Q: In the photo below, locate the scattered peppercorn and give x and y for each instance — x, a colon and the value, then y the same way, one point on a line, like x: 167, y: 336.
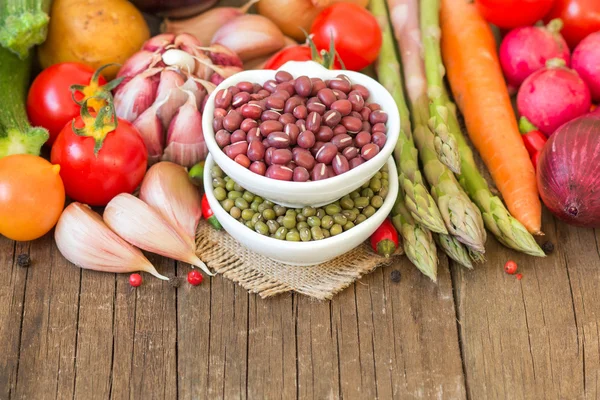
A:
x: 548, y: 247
x: 195, y: 277
x: 395, y: 275
x: 519, y: 276
x: 135, y: 280
x: 510, y: 267
x: 23, y: 260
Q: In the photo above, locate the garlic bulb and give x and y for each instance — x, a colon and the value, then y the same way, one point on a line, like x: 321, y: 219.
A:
x: 156, y: 84
x: 144, y: 227
x: 168, y: 189
x: 85, y: 240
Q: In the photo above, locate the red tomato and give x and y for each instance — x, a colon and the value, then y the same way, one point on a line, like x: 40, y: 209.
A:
x: 293, y: 53
x: 357, y: 47
x: 49, y: 102
x: 118, y: 167
x: 510, y: 14
x: 580, y: 18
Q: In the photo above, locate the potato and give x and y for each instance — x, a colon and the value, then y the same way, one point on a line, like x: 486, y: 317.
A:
x: 93, y: 32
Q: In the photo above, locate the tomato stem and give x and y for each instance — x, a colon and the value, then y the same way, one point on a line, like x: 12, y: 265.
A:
x: 94, y: 89
x: 98, y: 126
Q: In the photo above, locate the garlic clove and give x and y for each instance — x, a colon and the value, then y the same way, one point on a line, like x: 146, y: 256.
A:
x: 197, y: 88
x: 204, y: 66
x: 158, y: 43
x: 85, y: 240
x: 152, y: 132
x: 187, y: 43
x: 140, y: 61
x: 224, y: 73
x: 137, y: 95
x: 169, y: 95
x: 221, y: 55
x: 167, y: 188
x: 144, y: 227
x: 185, y: 139
x: 250, y: 36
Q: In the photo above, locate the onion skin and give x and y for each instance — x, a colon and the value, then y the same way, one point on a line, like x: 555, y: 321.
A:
x: 292, y: 16
x: 568, y: 172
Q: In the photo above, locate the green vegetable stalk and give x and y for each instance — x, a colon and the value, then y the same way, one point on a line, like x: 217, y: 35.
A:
x: 23, y: 24
x: 444, y: 141
x: 454, y: 249
x: 417, y: 241
x: 16, y: 135
x: 496, y: 217
x: 417, y: 199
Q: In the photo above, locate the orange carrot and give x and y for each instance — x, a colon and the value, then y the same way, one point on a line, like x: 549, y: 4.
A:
x: 473, y: 69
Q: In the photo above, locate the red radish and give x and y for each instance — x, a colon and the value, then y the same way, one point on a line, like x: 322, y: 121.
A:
x: 384, y: 240
x: 526, y: 50
x: 568, y: 172
x: 553, y: 96
x: 586, y: 61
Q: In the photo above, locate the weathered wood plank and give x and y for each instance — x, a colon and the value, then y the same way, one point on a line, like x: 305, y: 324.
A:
x: 94, y: 358
x: 272, y: 348
x: 49, y: 328
x: 317, y: 350
x: 520, y: 338
x: 12, y: 290
x: 212, y: 364
x: 413, y: 333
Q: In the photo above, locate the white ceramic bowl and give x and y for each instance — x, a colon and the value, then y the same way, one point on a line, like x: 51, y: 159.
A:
x: 299, y: 194
x: 301, y: 253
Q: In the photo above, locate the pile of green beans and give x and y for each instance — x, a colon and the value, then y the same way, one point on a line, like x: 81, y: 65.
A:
x: 299, y: 224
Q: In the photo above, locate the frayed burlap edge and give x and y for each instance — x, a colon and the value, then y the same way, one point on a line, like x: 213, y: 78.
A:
x: 261, y: 275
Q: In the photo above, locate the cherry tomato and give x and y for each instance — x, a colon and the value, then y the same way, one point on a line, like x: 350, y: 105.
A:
x: 50, y: 103
x: 32, y: 196
x: 357, y: 47
x: 508, y: 14
x: 294, y: 53
x: 580, y: 18
x: 118, y: 167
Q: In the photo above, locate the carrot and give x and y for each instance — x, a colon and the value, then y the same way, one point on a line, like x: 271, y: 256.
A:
x: 473, y: 69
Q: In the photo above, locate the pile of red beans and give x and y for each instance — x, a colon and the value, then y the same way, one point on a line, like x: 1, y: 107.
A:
x: 299, y: 129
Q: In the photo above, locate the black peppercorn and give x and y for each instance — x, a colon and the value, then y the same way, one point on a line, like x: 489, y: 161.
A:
x: 23, y: 260
x: 395, y: 275
x: 548, y: 247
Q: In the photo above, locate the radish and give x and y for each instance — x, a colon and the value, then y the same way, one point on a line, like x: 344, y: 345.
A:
x: 586, y: 61
x: 552, y: 96
x: 525, y: 50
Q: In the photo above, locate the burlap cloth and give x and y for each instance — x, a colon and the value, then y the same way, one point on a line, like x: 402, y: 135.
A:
x: 259, y: 274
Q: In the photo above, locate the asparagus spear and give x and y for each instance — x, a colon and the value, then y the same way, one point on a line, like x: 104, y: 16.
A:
x: 417, y: 241
x: 462, y: 218
x: 417, y: 199
x: 454, y: 249
x: 444, y: 142
x: 496, y: 217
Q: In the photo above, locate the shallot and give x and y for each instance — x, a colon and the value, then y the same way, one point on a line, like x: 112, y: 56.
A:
x: 553, y: 96
x: 164, y: 83
x: 568, y: 175
x: 85, y: 240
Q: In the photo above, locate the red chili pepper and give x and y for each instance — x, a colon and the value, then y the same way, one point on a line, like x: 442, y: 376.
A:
x: 384, y: 240
x: 533, y: 139
x: 208, y: 214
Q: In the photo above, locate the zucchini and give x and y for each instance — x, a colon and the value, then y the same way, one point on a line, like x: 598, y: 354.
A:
x: 23, y: 24
x: 17, y: 136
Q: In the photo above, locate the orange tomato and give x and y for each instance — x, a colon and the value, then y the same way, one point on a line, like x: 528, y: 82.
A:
x: 32, y: 196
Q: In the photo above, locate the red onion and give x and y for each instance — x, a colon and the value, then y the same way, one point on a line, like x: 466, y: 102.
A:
x: 568, y: 172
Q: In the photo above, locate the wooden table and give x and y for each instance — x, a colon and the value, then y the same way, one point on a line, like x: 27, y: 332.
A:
x: 482, y: 334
